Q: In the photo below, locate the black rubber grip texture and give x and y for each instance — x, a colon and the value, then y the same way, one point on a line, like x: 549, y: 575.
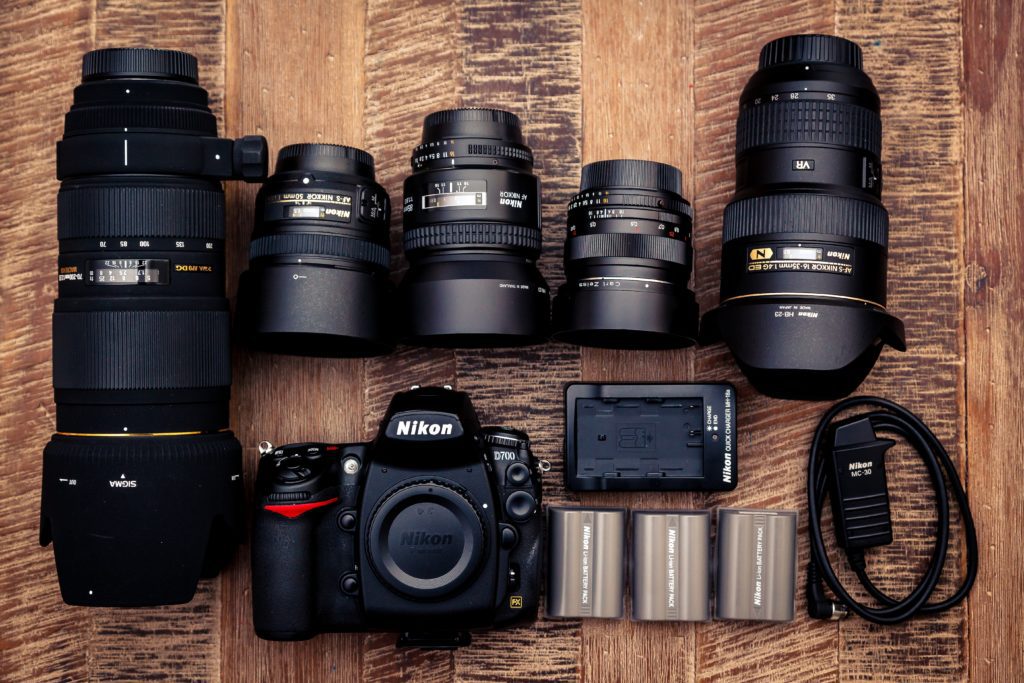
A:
x: 455, y: 234
x: 815, y: 213
x: 134, y: 117
x: 634, y: 173
x: 320, y: 245
x: 508, y: 151
x: 198, y: 449
x: 139, y: 62
x: 499, y: 116
x: 809, y: 121
x: 628, y: 245
x: 801, y: 49
x: 113, y: 211
x: 318, y: 149
x: 141, y: 349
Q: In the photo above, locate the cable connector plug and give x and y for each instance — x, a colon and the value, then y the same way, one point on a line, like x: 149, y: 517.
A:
x: 818, y: 605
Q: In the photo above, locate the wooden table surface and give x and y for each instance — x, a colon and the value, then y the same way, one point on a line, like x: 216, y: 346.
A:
x: 592, y: 79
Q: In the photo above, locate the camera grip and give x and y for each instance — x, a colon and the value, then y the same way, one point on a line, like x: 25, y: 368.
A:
x: 283, y: 585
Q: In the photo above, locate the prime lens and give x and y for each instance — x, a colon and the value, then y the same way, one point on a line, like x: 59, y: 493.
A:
x: 805, y: 238
x: 317, y: 282
x: 472, y: 234
x: 142, y: 482
x: 628, y: 258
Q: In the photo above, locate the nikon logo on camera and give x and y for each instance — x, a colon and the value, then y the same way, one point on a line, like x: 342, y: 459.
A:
x: 423, y: 426
x: 421, y: 538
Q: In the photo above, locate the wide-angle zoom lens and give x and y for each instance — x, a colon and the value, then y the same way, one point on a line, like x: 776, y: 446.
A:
x: 628, y: 258
x: 317, y: 282
x: 472, y: 235
x: 142, y: 483
x: 805, y: 238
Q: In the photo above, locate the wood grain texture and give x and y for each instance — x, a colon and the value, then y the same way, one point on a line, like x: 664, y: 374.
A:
x: 993, y: 70
x: 911, y: 52
x: 773, y: 434
x: 295, y: 74
x: 638, y: 104
x: 591, y: 79
x: 40, y: 63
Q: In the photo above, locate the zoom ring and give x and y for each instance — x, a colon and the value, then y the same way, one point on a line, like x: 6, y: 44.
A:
x: 455, y: 234
x: 320, y: 245
x: 140, y: 211
x: 162, y: 117
x: 628, y: 245
x: 813, y: 213
x: 141, y: 349
x: 809, y: 121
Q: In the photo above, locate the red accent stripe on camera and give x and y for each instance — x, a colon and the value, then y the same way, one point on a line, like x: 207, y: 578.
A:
x: 295, y: 509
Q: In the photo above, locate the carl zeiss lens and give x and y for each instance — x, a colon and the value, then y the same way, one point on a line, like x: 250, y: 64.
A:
x: 142, y: 482
x: 804, y: 244
x: 628, y: 258
x: 317, y: 282
x: 472, y: 235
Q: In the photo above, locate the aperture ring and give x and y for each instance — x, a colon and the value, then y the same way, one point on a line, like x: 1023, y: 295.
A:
x: 141, y: 349
x: 809, y: 121
x: 455, y: 234
x: 629, y: 245
x: 120, y: 117
x: 805, y: 212
x: 613, y: 199
x: 320, y: 245
x: 113, y: 211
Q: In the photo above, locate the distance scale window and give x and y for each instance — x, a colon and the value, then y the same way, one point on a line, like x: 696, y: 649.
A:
x: 455, y: 194
x: 129, y: 272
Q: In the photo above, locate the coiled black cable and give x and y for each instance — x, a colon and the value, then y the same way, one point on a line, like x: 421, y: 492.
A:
x: 894, y: 419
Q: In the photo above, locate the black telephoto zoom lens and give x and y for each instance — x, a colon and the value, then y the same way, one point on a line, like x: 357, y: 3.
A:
x: 472, y: 235
x: 804, y: 243
x: 628, y: 258
x: 317, y: 282
x: 142, y: 482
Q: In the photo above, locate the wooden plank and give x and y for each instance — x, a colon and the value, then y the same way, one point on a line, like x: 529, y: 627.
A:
x: 295, y: 74
x: 638, y: 103
x: 412, y: 68
x: 773, y: 435
x: 912, y: 52
x: 526, y: 57
x: 41, y: 46
x: 993, y: 71
x: 181, y: 641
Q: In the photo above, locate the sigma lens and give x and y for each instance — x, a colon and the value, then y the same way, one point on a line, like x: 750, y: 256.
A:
x: 628, y: 258
x: 472, y: 235
x: 317, y: 282
x: 804, y: 243
x: 142, y: 482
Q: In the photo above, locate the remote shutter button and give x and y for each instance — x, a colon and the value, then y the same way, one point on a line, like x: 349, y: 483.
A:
x: 517, y: 474
x: 520, y: 506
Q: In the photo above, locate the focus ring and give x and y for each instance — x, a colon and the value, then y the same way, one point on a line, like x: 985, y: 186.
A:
x: 163, y: 117
x: 805, y: 212
x: 141, y: 349
x: 140, y: 211
x: 628, y: 245
x: 800, y: 49
x: 455, y: 234
x: 809, y: 121
x: 320, y: 245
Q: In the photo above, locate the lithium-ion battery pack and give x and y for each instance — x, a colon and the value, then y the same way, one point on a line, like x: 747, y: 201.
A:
x: 650, y: 437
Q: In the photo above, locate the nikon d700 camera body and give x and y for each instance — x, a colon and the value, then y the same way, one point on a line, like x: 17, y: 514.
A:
x: 431, y: 529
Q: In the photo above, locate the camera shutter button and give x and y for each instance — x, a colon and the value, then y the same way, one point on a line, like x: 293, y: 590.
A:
x: 520, y: 506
